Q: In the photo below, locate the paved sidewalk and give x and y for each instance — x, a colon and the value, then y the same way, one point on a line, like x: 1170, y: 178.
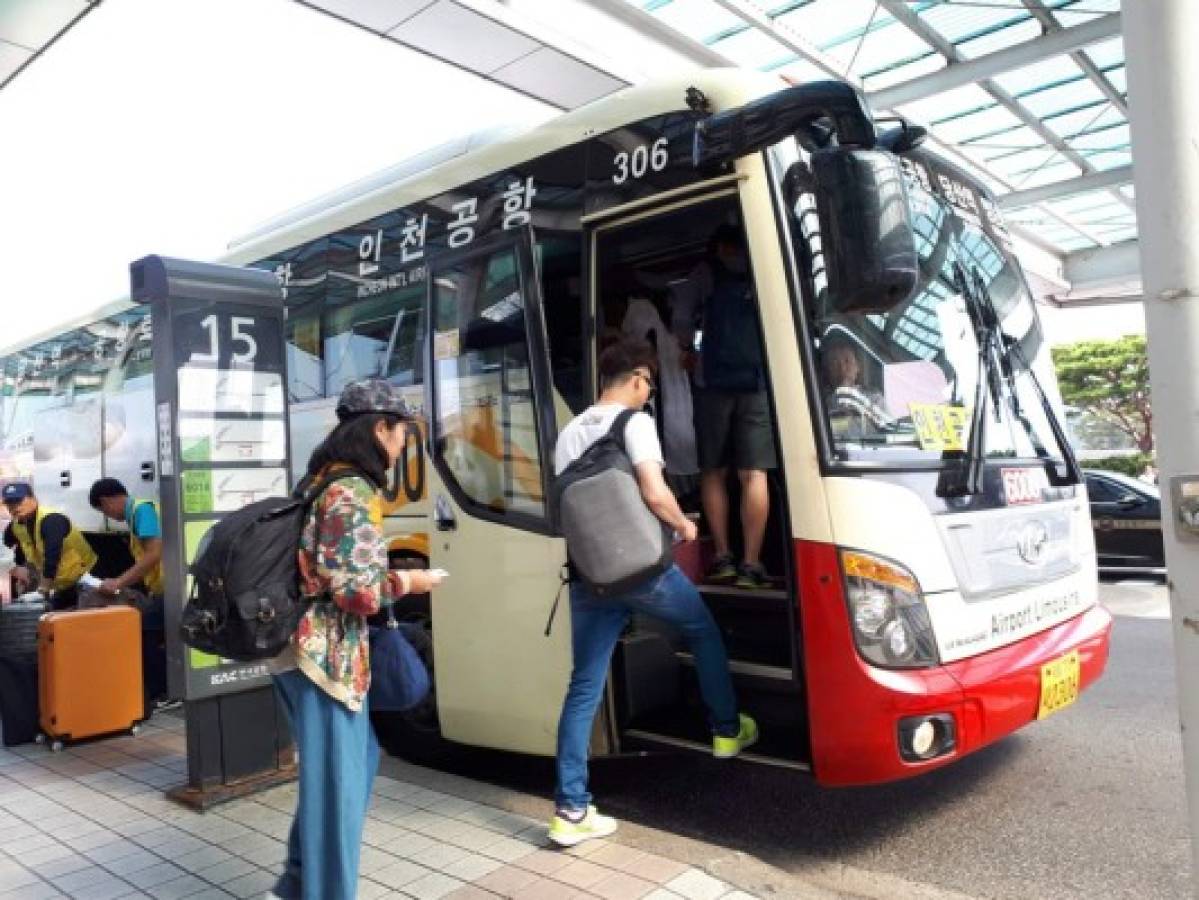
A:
x: 92, y: 822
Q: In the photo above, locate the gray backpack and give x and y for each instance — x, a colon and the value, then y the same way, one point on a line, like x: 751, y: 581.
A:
x: 613, y: 540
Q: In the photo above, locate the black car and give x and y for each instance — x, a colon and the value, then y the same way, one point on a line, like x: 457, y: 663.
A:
x: 1127, y: 517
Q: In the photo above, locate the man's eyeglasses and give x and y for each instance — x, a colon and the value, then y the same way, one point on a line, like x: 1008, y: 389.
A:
x: 649, y: 382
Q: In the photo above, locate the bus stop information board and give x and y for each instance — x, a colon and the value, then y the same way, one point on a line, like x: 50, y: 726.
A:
x: 221, y: 414
x: 220, y: 392
x: 231, y: 441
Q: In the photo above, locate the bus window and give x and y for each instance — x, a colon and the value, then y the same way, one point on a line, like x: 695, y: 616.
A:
x: 406, y: 361
x: 358, y: 335
x: 486, y: 426
x: 305, y: 368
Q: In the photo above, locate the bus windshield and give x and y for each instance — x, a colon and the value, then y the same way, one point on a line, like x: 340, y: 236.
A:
x: 900, y: 386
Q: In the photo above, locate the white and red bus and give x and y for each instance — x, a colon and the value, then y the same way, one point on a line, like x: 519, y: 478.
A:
x: 934, y: 576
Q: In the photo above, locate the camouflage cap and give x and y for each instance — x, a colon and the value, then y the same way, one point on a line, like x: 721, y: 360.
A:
x: 370, y: 395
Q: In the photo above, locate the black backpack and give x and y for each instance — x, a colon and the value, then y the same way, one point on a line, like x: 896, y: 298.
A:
x: 245, y: 600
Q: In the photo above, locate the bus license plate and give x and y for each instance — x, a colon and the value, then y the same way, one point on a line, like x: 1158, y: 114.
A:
x: 1059, y: 683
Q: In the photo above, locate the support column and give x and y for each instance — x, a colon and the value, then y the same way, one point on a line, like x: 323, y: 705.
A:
x: 1163, y: 83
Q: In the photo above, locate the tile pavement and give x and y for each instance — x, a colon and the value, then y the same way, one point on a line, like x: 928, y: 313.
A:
x: 92, y: 823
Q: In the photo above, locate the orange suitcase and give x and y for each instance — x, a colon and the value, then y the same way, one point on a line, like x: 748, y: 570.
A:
x: 89, y: 672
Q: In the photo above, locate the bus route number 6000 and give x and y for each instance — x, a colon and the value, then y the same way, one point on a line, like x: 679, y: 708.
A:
x: 637, y: 162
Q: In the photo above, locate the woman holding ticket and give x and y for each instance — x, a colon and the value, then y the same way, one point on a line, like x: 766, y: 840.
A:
x: 324, y: 675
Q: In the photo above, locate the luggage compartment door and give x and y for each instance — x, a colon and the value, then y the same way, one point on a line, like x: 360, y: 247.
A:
x: 499, y: 679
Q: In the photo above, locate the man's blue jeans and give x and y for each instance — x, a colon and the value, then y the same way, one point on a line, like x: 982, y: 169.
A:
x: 596, y: 624
x: 338, y: 760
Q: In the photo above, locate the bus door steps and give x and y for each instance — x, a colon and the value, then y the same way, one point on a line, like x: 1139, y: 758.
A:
x: 662, y: 741
x: 762, y: 677
x: 733, y: 592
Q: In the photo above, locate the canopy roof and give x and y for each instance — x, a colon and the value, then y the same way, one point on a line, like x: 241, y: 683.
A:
x: 1028, y: 94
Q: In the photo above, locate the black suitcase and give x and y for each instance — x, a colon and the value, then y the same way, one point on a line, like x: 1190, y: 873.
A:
x: 18, y: 629
x: 18, y: 700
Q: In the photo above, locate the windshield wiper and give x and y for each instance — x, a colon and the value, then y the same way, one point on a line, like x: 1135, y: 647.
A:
x: 1010, y: 349
x: 965, y: 479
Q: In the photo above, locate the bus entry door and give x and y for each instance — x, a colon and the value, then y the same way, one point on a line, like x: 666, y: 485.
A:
x: 499, y: 680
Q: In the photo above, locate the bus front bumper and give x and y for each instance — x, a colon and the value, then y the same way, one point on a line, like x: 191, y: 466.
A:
x: 856, y: 710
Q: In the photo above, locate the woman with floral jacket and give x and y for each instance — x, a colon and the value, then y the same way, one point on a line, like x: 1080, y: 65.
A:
x: 324, y: 675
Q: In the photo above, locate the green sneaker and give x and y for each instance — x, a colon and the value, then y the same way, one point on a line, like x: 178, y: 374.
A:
x: 722, y: 571
x: 728, y: 747
x: 566, y: 833
x: 752, y: 577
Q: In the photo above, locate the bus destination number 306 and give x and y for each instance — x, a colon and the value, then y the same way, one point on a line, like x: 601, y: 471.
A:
x: 637, y: 162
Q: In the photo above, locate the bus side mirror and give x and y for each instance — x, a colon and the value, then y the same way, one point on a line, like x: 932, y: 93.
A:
x: 866, y: 231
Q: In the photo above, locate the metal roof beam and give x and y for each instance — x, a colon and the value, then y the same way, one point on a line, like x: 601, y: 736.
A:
x: 935, y: 39
x: 963, y: 71
x: 1104, y: 267
x: 1068, y: 188
x: 1081, y: 59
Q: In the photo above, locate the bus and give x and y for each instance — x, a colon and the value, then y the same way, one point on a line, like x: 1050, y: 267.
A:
x: 933, y: 581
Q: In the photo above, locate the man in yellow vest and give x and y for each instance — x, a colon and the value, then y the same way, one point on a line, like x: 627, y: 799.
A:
x: 45, y: 541
x: 145, y: 544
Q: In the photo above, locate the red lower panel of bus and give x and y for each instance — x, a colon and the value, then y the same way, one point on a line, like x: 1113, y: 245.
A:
x: 854, y: 708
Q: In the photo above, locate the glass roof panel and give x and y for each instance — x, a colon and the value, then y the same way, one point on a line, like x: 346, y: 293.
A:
x: 960, y: 23
x: 959, y: 100
x: 1108, y: 159
x: 1095, y: 118
x: 1095, y: 204
x: 799, y: 71
x: 1106, y: 137
x: 827, y: 24
x: 698, y: 19
x: 1107, y: 53
x: 886, y: 48
x: 1073, y: 95
x: 969, y: 126
x: 925, y: 63
x: 1010, y: 34
x: 1119, y: 79
x: 987, y: 126
x: 1036, y: 76
x: 1010, y: 142
x: 751, y: 48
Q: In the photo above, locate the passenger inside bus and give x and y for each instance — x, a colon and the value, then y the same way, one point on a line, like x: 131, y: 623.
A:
x: 684, y: 283
x: 854, y: 409
x: 733, y: 422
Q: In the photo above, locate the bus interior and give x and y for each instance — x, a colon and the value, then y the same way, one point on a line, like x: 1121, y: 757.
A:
x: 652, y: 279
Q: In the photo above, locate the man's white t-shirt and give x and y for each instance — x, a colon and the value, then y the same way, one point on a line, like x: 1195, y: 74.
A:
x: 640, y: 435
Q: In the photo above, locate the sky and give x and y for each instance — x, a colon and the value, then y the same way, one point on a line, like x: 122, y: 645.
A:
x: 173, y: 126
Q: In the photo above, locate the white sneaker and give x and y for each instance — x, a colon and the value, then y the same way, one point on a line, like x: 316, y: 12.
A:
x: 566, y: 833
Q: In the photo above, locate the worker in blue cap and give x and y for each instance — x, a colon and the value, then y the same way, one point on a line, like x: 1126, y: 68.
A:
x: 46, y: 543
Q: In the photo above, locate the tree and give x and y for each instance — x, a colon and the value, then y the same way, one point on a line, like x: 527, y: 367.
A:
x: 1109, y: 379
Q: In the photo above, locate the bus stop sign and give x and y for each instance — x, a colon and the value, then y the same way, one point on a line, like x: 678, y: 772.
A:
x: 221, y: 414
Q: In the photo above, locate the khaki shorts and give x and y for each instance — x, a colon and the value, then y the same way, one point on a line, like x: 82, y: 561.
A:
x: 734, y: 430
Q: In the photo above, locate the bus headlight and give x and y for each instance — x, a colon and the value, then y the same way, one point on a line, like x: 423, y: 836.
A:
x: 891, y: 626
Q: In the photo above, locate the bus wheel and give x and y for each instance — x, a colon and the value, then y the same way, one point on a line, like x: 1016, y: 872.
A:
x: 415, y: 734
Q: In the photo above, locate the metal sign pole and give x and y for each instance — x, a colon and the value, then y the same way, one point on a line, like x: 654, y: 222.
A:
x: 221, y: 417
x: 1163, y: 71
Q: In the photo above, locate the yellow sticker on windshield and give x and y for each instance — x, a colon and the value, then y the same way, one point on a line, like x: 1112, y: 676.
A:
x: 940, y: 427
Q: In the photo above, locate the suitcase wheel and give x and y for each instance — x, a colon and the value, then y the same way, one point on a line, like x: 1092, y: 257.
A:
x: 135, y: 730
x: 56, y: 747
x: 39, y: 738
